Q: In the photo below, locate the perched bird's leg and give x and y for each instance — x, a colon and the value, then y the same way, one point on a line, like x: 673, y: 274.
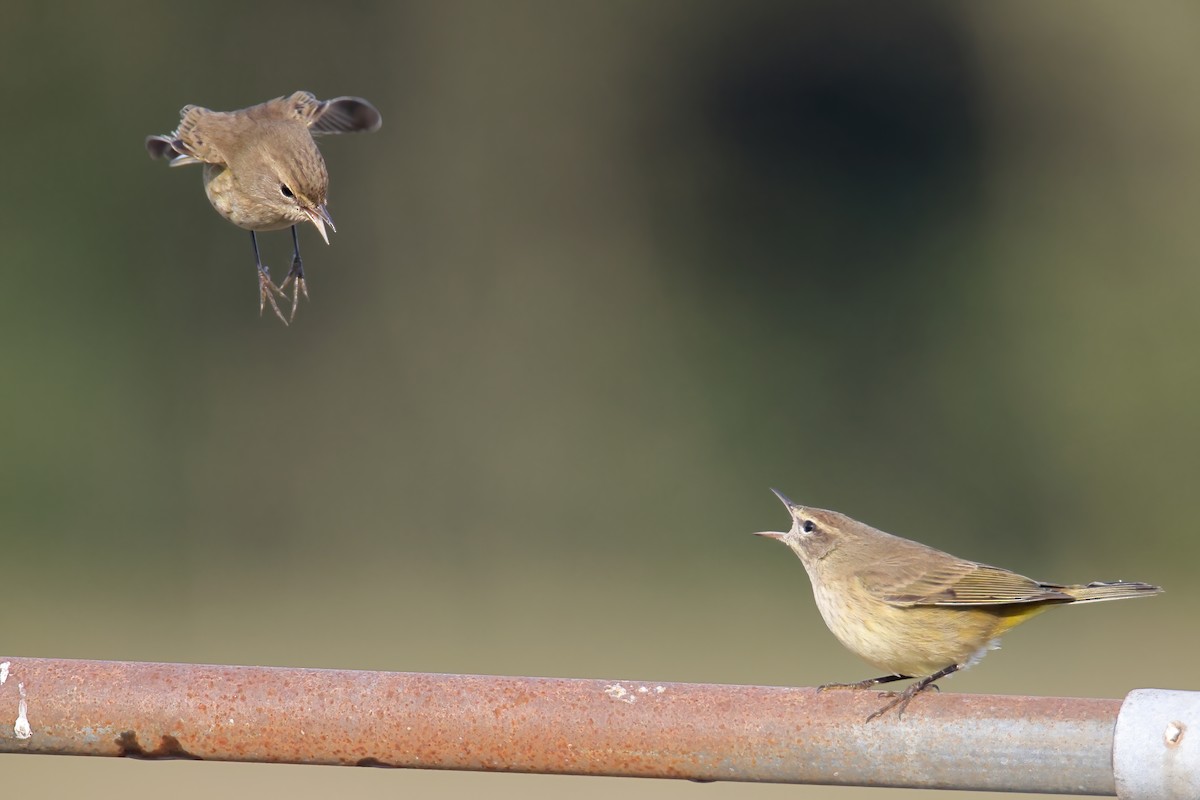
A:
x: 867, y: 684
x: 296, y: 273
x: 900, y: 700
x: 266, y: 287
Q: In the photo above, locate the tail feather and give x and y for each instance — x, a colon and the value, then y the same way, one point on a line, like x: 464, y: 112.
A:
x: 1115, y: 590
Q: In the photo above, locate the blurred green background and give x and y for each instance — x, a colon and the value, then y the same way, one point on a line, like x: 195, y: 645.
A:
x: 608, y: 272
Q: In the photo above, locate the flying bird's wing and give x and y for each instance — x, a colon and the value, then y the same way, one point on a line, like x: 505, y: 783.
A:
x: 170, y: 147
x: 186, y: 145
x: 344, y: 115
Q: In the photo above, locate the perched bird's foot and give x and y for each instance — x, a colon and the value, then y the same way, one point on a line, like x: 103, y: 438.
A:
x: 266, y: 293
x: 867, y: 684
x: 900, y: 700
x: 295, y: 279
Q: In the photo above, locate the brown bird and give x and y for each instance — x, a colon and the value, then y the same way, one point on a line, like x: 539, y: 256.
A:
x: 911, y: 610
x: 263, y: 171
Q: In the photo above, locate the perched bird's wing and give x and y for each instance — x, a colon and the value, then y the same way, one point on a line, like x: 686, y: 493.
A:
x: 918, y: 580
x: 339, y: 115
x: 187, y: 145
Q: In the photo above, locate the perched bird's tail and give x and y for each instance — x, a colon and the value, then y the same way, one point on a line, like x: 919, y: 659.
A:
x: 1116, y: 590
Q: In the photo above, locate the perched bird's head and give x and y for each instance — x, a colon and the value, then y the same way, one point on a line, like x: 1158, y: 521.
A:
x: 814, y: 533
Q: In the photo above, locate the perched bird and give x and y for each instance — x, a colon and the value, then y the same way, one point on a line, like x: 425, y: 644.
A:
x: 911, y: 610
x: 263, y: 171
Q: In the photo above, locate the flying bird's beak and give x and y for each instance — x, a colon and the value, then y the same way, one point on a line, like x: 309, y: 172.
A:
x: 319, y: 217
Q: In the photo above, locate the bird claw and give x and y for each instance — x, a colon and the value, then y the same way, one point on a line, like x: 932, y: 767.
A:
x: 900, y: 700
x: 295, y: 279
x: 867, y: 684
x: 266, y: 293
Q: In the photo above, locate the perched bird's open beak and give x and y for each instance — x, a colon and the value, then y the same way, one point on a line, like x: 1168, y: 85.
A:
x: 319, y: 217
x: 790, y: 505
x: 784, y: 499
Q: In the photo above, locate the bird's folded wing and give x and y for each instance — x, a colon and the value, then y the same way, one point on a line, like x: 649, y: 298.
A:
x: 953, y: 582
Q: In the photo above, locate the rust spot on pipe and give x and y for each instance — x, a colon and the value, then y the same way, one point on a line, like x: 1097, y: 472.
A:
x: 168, y: 748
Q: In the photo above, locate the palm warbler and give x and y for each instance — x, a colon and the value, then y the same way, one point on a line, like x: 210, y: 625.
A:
x: 913, y: 611
x: 263, y: 171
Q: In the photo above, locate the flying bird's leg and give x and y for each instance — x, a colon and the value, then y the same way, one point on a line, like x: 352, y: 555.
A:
x: 266, y: 287
x: 296, y: 273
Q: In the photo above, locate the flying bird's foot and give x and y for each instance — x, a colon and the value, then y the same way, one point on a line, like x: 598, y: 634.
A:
x: 295, y: 279
x: 266, y: 293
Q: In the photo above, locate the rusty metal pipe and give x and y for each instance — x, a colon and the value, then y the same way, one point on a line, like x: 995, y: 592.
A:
x: 551, y: 725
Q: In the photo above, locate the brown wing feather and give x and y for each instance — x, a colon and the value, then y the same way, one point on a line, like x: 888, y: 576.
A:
x: 339, y: 115
x: 916, y: 579
x: 346, y: 115
x: 191, y: 143
x: 303, y: 106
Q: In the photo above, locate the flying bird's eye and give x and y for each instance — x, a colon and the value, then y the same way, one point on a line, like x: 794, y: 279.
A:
x: 809, y: 526
x: 285, y: 191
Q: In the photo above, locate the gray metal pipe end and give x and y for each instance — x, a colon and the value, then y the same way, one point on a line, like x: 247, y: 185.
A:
x: 1156, y: 745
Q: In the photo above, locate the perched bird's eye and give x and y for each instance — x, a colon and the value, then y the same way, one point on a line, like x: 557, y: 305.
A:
x: 809, y: 526
x: 285, y: 191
